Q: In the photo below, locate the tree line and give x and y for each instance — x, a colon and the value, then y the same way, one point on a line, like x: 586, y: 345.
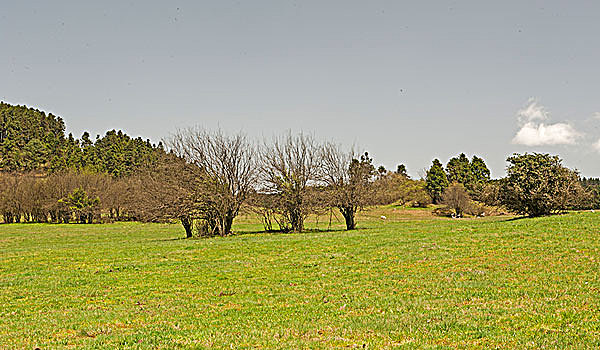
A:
x: 33, y: 141
x: 536, y: 184
x: 63, y: 197
x: 205, y: 179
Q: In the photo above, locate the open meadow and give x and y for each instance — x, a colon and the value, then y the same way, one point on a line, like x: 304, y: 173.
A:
x: 411, y: 280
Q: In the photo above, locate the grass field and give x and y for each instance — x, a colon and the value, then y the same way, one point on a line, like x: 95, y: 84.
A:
x: 410, y: 281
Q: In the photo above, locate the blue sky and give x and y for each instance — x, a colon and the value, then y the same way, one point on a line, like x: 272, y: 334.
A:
x: 407, y: 81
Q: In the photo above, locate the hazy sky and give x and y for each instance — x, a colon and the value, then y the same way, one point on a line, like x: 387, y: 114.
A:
x: 408, y: 81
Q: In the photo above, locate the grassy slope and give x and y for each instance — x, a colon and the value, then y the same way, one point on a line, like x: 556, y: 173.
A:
x: 405, y: 281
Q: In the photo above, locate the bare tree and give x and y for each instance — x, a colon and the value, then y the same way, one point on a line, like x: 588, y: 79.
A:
x: 290, y: 165
x: 114, y: 197
x: 349, y: 181
x: 166, y: 192
x: 10, y: 204
x: 39, y: 197
x: 268, y: 207
x: 228, y: 163
x: 457, y: 198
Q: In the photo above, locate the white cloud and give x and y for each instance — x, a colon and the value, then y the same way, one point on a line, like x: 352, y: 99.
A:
x: 597, y: 115
x: 534, y: 132
x: 597, y: 145
x: 534, y: 111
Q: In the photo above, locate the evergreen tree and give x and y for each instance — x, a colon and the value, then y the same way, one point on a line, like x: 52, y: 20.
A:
x: 81, y: 205
x: 458, y: 170
x: 472, y: 175
x: 29, y: 139
x: 436, y: 181
x: 401, y: 170
x: 480, y: 172
x: 538, y: 184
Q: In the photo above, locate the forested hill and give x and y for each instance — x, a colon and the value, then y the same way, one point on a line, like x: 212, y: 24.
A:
x: 31, y: 140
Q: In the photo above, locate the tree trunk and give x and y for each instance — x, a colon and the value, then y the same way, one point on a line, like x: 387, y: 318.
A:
x: 8, y: 218
x: 227, y: 224
x: 187, y: 222
x: 296, y: 222
x: 350, y: 224
x: 348, y: 214
x: 296, y: 219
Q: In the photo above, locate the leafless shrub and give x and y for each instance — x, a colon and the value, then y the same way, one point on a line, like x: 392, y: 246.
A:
x: 456, y: 197
x: 229, y: 173
x: 289, y: 166
x: 349, y: 181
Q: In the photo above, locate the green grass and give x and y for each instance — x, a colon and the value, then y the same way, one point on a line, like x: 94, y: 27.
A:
x: 410, y: 281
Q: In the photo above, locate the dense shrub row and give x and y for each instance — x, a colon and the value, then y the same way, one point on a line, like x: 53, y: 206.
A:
x: 62, y: 197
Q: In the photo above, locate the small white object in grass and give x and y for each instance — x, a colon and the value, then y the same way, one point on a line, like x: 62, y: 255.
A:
x: 383, y: 217
x: 593, y: 211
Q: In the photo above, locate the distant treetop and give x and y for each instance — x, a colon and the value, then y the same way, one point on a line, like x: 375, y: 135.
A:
x: 31, y: 140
